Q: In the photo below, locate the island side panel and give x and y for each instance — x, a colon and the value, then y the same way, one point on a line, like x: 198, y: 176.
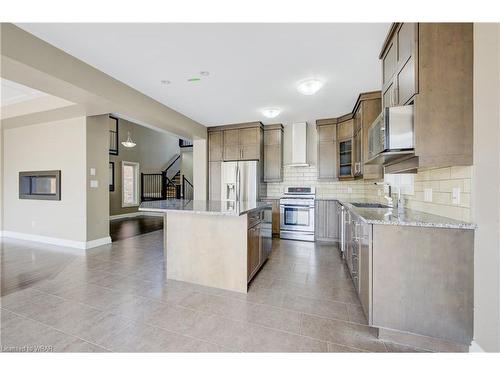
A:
x: 423, y: 281
x: 209, y: 250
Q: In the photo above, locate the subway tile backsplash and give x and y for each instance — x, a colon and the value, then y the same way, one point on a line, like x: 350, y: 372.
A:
x: 440, y: 180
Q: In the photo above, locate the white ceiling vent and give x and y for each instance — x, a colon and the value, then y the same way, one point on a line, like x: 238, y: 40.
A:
x: 299, y: 144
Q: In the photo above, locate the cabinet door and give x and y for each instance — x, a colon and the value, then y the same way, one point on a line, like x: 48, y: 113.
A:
x: 215, y: 146
x: 365, y: 271
x: 276, y: 217
x: 231, y: 137
x: 388, y: 96
x: 327, y: 133
x: 406, y: 41
x: 320, y: 220
x: 250, y: 152
x: 332, y: 221
x: 345, y: 158
x: 344, y: 129
x: 327, y: 160
x: 249, y: 136
x: 389, y: 62
x: 272, y: 163
x: 231, y: 145
x: 254, y: 248
x: 214, y: 180
x: 406, y: 82
x: 357, y: 154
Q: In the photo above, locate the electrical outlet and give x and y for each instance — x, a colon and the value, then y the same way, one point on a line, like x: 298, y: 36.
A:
x: 94, y: 183
x: 92, y: 171
x: 428, y: 195
x: 455, y: 195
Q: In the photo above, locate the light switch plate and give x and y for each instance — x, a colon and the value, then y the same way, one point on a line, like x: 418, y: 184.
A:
x: 428, y: 195
x: 94, y: 183
x: 92, y: 171
x: 455, y: 195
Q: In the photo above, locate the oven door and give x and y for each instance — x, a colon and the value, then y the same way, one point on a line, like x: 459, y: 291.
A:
x: 298, y: 217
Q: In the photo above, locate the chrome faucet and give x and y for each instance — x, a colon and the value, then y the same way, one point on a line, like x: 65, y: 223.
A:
x: 390, y: 201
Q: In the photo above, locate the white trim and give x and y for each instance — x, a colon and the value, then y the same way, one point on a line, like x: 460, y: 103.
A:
x: 136, y: 167
x: 475, y: 348
x: 135, y: 214
x: 82, y: 245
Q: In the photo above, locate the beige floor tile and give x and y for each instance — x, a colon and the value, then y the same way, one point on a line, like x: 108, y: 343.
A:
x: 343, y: 333
x: 328, y: 309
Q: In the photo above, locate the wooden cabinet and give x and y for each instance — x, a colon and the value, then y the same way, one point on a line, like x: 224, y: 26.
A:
x: 345, y: 129
x: 434, y: 72
x: 327, y: 220
x: 243, y: 143
x: 273, y: 153
x: 214, y: 180
x: 215, y: 146
x: 399, y: 74
x: 366, y: 110
x: 254, y: 247
x: 327, y: 149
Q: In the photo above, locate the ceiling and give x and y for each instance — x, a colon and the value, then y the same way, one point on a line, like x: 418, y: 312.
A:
x: 13, y: 93
x: 251, y: 66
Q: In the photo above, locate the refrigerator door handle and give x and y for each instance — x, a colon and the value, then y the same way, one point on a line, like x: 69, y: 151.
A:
x: 237, y: 195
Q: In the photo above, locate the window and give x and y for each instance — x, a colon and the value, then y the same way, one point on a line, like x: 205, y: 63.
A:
x: 130, y: 184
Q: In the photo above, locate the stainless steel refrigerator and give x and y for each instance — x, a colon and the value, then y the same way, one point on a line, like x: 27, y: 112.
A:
x: 240, y: 181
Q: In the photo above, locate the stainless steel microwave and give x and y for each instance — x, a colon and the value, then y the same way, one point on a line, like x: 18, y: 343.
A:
x: 391, y: 131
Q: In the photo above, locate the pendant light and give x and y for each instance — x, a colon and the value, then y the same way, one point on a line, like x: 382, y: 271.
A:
x: 129, y: 142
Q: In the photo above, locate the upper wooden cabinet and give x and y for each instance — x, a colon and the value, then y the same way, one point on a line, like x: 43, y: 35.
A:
x: 327, y: 149
x: 273, y: 153
x: 399, y: 74
x: 238, y: 142
x: 215, y: 147
x: 345, y: 147
x: 366, y: 110
x: 434, y: 72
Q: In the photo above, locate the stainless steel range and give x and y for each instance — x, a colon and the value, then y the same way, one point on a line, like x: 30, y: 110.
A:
x: 297, y: 213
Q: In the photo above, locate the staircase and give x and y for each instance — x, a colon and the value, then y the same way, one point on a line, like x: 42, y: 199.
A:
x: 166, y: 185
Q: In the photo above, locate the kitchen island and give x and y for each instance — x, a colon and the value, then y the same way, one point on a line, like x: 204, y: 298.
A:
x: 219, y: 244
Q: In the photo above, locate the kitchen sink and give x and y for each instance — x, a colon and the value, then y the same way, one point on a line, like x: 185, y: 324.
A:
x: 369, y: 205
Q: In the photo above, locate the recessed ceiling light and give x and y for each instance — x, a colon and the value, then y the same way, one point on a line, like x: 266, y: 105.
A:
x: 204, y: 73
x: 165, y: 82
x: 271, y: 112
x: 309, y: 86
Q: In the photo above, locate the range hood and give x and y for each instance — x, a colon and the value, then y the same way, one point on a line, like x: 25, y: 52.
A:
x: 299, y: 145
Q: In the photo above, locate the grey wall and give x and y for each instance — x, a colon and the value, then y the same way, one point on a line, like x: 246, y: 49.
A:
x: 153, y: 151
x: 97, y: 157
x: 58, y: 145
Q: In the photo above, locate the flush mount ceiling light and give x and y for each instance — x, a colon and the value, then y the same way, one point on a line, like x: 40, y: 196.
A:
x: 129, y: 142
x: 271, y: 112
x: 309, y: 86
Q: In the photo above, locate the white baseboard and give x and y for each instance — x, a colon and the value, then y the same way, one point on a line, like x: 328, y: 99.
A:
x: 475, y: 348
x: 83, y: 245
x: 135, y: 214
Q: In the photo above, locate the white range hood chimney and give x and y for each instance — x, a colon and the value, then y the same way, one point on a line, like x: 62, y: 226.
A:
x: 299, y: 145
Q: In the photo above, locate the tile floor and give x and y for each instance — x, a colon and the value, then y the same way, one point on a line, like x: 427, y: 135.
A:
x: 117, y: 298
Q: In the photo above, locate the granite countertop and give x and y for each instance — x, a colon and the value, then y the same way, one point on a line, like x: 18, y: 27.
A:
x: 387, y: 216
x: 226, y: 208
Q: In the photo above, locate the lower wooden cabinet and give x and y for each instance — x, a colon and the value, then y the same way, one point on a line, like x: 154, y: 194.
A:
x: 254, y: 250
x: 327, y: 220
